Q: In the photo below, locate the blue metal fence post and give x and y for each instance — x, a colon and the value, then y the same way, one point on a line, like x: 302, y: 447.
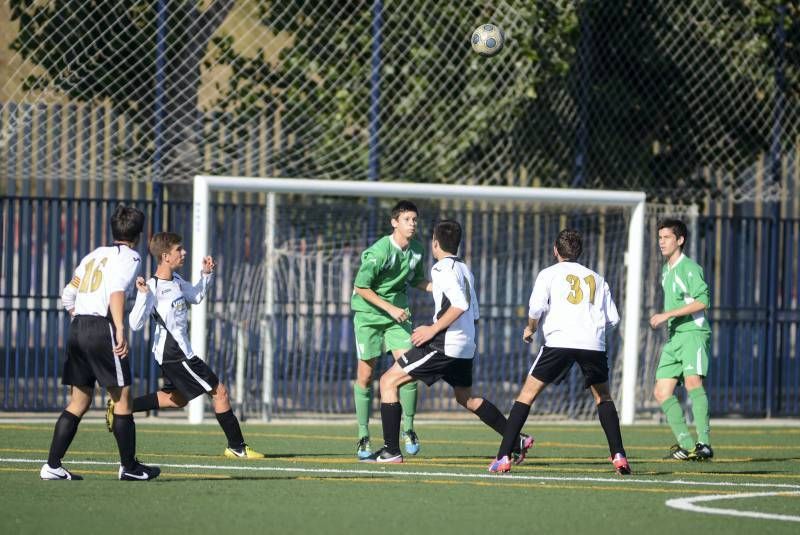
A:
x: 584, y: 77
x: 774, y: 240
x: 374, y: 113
x: 158, y: 135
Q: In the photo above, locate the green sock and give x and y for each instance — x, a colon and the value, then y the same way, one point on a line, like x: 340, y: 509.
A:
x: 363, y: 399
x: 700, y: 412
x: 408, y: 400
x: 677, y: 422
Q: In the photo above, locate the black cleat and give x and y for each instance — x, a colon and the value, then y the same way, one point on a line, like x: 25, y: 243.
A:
x: 139, y: 472
x: 702, y: 452
x: 676, y: 452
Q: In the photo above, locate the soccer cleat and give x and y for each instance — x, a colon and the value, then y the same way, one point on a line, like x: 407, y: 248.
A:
x: 55, y: 474
x: 139, y: 472
x: 363, y: 448
x: 702, y: 452
x: 411, y: 442
x: 110, y: 415
x: 501, y: 465
x: 525, y: 443
x: 676, y: 452
x: 245, y: 452
x: 384, y: 456
x: 621, y: 465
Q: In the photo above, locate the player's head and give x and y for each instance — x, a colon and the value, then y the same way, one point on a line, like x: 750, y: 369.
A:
x: 404, y: 218
x: 127, y: 223
x: 569, y: 245
x: 672, y: 235
x: 167, y: 248
x: 447, y: 237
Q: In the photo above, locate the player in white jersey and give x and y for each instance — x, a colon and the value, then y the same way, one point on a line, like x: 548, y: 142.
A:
x: 165, y: 298
x: 96, y: 347
x: 444, y: 350
x: 571, y: 306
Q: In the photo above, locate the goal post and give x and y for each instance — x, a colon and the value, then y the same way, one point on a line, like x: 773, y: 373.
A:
x: 632, y: 202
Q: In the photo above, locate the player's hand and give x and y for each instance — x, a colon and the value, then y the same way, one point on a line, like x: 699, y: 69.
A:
x: 141, y: 285
x: 208, y: 264
x: 527, y: 335
x: 121, y: 345
x: 399, y: 315
x: 657, y: 319
x: 422, y: 334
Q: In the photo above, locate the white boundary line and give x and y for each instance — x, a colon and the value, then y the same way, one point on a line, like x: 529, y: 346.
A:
x: 688, y: 504
x: 454, y: 475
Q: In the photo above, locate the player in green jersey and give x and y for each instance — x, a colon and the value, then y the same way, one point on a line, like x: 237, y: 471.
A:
x: 685, y: 356
x: 382, y: 320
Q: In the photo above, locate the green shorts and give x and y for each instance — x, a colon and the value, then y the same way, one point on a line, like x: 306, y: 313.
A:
x: 684, y: 354
x: 378, y: 333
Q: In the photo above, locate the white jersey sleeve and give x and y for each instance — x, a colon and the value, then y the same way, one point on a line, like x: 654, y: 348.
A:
x: 540, y: 297
x: 195, y: 294
x: 142, y: 307
x: 612, y: 316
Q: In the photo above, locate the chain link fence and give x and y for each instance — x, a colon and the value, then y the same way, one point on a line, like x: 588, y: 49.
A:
x: 688, y: 101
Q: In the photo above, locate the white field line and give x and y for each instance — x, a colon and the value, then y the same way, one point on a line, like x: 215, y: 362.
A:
x: 688, y: 504
x: 455, y: 475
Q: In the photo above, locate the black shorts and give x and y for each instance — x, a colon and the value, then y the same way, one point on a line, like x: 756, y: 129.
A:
x: 90, y: 355
x: 552, y: 365
x: 429, y: 365
x: 190, y: 377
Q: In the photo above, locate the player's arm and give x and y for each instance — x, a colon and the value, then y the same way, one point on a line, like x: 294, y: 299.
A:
x: 120, y: 278
x: 609, y: 307
x: 451, y: 287
x: 699, y: 293
x: 195, y: 294
x: 398, y: 314
x: 538, y: 304
x: 143, y: 307
x: 371, y: 263
x: 69, y: 293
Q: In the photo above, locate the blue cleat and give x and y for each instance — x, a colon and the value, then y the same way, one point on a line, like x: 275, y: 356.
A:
x: 411, y: 442
x: 363, y: 448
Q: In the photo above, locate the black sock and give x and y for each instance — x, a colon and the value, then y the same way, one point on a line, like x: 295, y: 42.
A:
x: 230, y: 426
x: 125, y: 433
x: 519, y: 413
x: 390, y: 417
x: 64, y: 432
x: 148, y: 402
x: 610, y: 422
x: 491, y: 416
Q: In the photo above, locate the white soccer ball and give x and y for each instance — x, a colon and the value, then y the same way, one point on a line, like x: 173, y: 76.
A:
x: 488, y: 39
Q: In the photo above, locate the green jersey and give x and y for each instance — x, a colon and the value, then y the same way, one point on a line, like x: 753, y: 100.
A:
x: 388, y: 270
x: 684, y: 283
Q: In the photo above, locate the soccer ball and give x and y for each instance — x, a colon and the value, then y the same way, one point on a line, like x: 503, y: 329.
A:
x: 488, y: 39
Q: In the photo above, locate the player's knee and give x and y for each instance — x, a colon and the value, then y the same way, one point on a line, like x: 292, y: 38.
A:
x: 661, y: 394
x: 220, y: 393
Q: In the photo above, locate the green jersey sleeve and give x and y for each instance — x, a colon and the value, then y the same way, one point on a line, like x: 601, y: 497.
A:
x: 696, y: 284
x: 372, y: 260
x: 419, y: 270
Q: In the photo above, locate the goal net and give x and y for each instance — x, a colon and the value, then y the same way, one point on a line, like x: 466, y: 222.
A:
x: 286, y: 293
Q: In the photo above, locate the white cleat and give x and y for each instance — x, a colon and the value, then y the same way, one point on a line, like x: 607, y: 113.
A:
x: 49, y: 473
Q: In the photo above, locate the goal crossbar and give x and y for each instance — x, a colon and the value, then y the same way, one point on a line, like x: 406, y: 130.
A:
x: 204, y: 185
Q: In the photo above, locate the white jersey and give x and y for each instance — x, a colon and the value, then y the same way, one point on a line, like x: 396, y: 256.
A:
x: 574, y: 307
x: 454, y: 285
x: 167, y: 303
x: 102, y: 272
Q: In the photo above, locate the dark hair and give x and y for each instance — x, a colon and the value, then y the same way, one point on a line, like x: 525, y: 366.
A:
x: 569, y: 244
x: 127, y: 223
x: 448, y: 233
x: 677, y: 227
x: 404, y: 206
x: 162, y: 243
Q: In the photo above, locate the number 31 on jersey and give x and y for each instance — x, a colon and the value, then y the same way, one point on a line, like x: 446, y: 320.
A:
x: 575, y: 295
